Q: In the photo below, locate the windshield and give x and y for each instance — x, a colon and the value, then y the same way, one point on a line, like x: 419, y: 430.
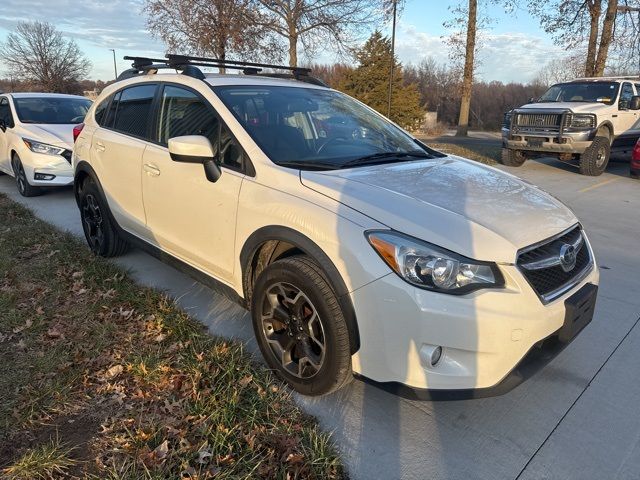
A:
x: 60, y: 110
x: 317, y: 128
x: 605, y: 92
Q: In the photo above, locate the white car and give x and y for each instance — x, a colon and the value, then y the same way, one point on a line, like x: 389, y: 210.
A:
x: 36, y: 138
x: 358, y: 251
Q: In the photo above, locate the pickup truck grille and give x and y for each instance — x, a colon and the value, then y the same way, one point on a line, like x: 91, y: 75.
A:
x: 543, y: 269
x: 539, y: 120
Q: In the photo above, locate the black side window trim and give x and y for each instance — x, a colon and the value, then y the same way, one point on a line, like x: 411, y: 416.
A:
x: 149, y: 134
x: 247, y: 167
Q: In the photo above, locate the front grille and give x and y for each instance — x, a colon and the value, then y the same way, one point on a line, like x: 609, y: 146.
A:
x: 67, y: 155
x: 538, y: 123
x: 542, y: 268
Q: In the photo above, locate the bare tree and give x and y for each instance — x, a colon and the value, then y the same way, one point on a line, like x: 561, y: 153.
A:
x: 338, y: 23
x: 209, y: 27
x: 38, y: 53
x: 598, y: 26
x: 467, y: 76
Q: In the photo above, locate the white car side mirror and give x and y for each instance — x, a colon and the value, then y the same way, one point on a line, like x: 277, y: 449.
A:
x: 196, y: 149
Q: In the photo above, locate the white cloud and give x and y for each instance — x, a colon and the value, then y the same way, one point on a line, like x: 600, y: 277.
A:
x: 505, y: 57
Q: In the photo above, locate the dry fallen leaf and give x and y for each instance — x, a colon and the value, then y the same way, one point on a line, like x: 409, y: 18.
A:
x: 53, y: 332
x: 245, y: 381
x: 27, y: 324
x: 113, y: 372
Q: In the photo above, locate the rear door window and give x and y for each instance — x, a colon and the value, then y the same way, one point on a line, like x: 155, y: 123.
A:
x: 133, y: 109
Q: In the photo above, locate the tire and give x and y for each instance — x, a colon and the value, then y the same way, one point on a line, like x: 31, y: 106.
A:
x: 101, y: 234
x: 305, y: 342
x: 24, y: 187
x: 512, y: 158
x: 594, y: 160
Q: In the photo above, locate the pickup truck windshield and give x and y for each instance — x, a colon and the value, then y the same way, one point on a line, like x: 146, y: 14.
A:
x: 605, y: 92
x: 51, y: 110
x: 311, y: 128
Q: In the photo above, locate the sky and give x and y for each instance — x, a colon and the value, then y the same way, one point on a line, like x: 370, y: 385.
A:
x: 514, y: 47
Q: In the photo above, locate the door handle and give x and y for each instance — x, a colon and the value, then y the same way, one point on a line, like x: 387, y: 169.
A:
x: 151, y: 170
x: 100, y: 147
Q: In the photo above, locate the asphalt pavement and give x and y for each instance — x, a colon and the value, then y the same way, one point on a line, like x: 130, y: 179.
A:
x: 578, y: 418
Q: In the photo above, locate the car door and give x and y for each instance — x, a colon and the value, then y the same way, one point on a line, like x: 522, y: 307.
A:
x: 625, y: 127
x: 116, y: 152
x: 187, y: 215
x: 7, y: 118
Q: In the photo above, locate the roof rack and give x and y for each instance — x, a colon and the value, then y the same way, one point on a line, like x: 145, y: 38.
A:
x: 188, y: 65
x: 621, y: 77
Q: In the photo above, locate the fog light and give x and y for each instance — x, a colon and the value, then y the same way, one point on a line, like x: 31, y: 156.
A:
x: 430, y: 355
x: 43, y: 176
x: 435, y: 356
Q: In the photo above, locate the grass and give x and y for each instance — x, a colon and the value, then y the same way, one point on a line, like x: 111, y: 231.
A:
x: 486, y: 154
x: 105, y: 379
x: 50, y: 460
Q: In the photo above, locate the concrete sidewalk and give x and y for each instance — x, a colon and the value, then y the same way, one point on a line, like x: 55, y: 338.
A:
x: 579, y: 418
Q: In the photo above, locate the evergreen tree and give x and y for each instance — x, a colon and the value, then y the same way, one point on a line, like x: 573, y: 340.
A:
x: 369, y: 83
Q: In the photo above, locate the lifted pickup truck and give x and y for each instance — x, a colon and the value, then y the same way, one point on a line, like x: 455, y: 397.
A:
x: 582, y: 120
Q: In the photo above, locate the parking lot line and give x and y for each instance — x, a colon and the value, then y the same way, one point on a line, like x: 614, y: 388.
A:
x: 591, y: 187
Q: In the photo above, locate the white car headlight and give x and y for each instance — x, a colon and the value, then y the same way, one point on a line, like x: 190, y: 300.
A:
x: 583, y: 120
x: 39, y: 147
x: 433, y: 268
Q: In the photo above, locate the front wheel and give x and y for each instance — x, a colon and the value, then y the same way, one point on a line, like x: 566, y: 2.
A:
x: 595, y: 159
x: 101, y: 234
x: 300, y: 327
x: 512, y: 158
x: 24, y: 187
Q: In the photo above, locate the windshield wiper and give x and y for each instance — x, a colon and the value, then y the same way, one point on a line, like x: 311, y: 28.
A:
x: 308, y: 165
x: 384, y: 157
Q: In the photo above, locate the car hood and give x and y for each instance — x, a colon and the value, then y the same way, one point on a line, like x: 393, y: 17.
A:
x: 58, y: 135
x: 458, y: 204
x: 576, y: 107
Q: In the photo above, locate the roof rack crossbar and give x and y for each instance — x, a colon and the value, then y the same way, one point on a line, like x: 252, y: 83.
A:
x: 236, y: 63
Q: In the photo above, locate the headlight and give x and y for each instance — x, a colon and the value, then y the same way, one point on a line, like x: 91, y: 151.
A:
x: 583, y: 120
x: 433, y: 268
x: 38, y: 147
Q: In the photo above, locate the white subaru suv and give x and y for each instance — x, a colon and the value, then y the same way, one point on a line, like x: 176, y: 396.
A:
x: 36, y: 138
x: 358, y: 249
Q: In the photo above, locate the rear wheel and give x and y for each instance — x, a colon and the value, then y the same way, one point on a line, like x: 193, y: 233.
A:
x: 595, y: 159
x: 24, y: 188
x: 512, y: 158
x: 300, y: 327
x: 100, y: 232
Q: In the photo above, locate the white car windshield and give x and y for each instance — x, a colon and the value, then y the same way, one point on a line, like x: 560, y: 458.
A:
x: 312, y: 128
x: 51, y: 110
x: 604, y: 92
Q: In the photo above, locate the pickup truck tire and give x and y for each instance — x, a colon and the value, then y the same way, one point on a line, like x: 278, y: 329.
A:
x: 512, y: 158
x: 297, y: 319
x: 595, y: 159
x: 101, y: 234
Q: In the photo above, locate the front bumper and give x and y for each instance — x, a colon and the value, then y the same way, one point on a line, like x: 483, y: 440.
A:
x: 552, y: 142
x: 484, y: 335
x: 55, y: 165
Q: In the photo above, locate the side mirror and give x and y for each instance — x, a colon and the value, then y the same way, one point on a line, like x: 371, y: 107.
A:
x: 196, y: 149
x: 533, y: 100
x: 635, y: 103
